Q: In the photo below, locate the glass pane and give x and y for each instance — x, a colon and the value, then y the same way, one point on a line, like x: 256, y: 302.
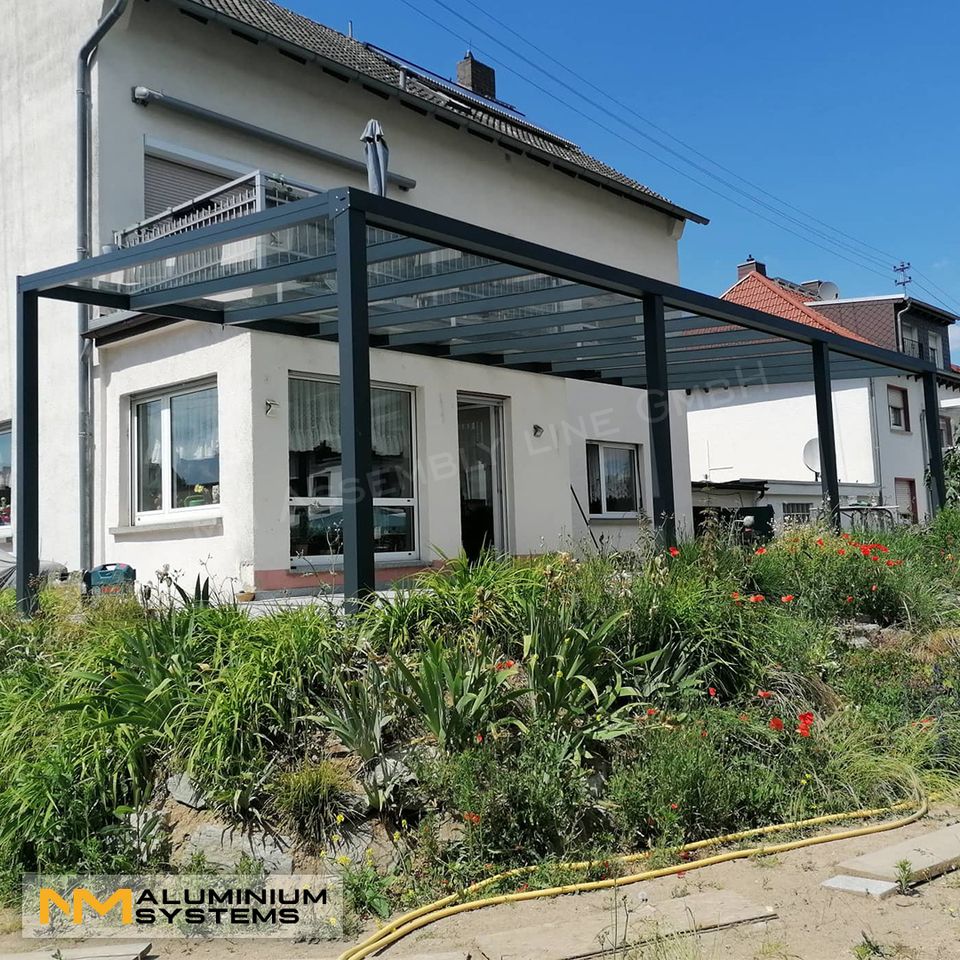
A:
x: 149, y: 477
x: 316, y: 531
x: 594, y: 490
x: 5, y: 466
x: 620, y: 472
x: 315, y: 450
x: 195, y: 448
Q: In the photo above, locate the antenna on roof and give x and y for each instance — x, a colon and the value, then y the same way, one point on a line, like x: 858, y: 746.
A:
x: 350, y: 29
x: 904, y: 278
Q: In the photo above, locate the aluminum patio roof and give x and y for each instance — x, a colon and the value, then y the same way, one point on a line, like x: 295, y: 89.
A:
x: 443, y: 287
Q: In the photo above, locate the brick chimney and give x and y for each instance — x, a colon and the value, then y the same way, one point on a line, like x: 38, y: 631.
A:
x: 477, y: 76
x: 751, y: 266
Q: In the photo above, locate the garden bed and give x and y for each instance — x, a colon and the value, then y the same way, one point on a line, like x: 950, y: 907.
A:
x: 499, y: 715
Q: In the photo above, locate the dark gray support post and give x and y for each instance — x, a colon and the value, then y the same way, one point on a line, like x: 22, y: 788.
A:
x: 931, y: 406
x: 658, y: 415
x: 825, y: 431
x: 26, y: 503
x: 350, y: 235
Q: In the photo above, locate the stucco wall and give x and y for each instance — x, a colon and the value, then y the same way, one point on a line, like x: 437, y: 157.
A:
x: 38, y: 50
x: 759, y: 433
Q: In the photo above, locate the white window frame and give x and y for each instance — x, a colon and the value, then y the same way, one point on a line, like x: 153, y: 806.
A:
x: 933, y: 348
x: 6, y: 529
x: 601, y: 445
x: 328, y: 559
x: 797, y: 516
x: 903, y: 427
x: 168, y: 512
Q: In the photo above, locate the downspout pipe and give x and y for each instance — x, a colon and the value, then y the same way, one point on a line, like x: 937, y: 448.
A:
x: 84, y: 217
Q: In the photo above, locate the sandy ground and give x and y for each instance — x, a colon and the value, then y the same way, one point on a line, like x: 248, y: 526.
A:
x: 811, y: 923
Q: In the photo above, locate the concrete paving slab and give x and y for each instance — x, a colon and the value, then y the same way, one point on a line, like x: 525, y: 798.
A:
x: 929, y: 856
x: 103, y: 951
x: 861, y: 886
x: 595, y: 933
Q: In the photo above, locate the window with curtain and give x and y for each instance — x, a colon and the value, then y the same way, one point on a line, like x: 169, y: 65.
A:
x: 6, y: 466
x: 176, y: 453
x: 613, y: 486
x: 317, y: 484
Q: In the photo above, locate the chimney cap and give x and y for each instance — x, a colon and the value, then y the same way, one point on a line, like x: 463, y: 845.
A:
x: 751, y: 266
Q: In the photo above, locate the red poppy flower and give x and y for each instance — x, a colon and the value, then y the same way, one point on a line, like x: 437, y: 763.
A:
x: 744, y: 718
x: 712, y: 691
x: 841, y: 552
x: 803, y: 730
x: 776, y: 724
x: 703, y: 733
x: 805, y: 719
x: 846, y: 536
x: 756, y: 598
x: 819, y: 541
x: 734, y: 595
x: 674, y: 806
x: 473, y: 818
x: 479, y: 738
x: 849, y: 599
x: 764, y: 694
x: 894, y: 563
x: 873, y: 588
x: 760, y: 551
x: 865, y: 550
x: 674, y: 552
x: 787, y: 598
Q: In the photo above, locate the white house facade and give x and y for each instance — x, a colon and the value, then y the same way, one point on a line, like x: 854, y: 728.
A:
x: 217, y: 449
x: 767, y: 432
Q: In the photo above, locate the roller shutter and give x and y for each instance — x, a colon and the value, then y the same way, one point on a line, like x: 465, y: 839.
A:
x: 168, y: 184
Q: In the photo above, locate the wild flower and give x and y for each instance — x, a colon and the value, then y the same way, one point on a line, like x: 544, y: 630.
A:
x: 760, y: 551
x: 712, y: 691
x: 764, y: 694
x: 776, y: 724
x: 756, y: 598
x: 674, y: 552
x: 787, y: 598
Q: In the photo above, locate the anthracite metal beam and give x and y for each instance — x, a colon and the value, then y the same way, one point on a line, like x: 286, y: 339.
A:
x: 658, y: 416
x: 931, y: 407
x: 825, y: 431
x: 26, y: 505
x: 356, y: 432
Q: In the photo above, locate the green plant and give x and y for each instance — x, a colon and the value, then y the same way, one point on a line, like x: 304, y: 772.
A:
x: 316, y: 796
x: 904, y: 875
x: 868, y: 948
x: 575, y: 680
x: 367, y: 892
x: 456, y: 690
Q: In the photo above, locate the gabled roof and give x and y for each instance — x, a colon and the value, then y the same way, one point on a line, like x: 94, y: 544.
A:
x: 290, y: 29
x: 761, y: 293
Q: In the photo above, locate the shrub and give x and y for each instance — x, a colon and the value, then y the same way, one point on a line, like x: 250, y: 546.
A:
x: 519, y: 800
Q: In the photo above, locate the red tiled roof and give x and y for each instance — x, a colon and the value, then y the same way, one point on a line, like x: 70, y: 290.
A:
x: 761, y: 293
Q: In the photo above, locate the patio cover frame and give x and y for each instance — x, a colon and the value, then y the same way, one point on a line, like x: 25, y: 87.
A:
x: 626, y: 352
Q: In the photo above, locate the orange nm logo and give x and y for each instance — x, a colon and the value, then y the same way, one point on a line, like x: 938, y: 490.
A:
x: 122, y: 898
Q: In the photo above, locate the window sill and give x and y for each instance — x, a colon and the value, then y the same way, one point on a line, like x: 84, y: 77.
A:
x: 205, y: 526
x: 615, y: 518
x: 325, y: 565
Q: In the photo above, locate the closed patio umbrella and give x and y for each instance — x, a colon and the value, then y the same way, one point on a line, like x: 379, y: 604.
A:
x: 378, y: 156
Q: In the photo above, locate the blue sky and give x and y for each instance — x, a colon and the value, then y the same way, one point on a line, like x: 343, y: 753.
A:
x: 846, y: 110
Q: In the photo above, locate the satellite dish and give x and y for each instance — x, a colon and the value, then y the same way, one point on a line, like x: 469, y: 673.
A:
x: 811, y: 454
x: 828, y: 290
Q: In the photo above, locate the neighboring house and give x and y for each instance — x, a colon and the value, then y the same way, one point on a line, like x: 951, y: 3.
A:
x: 219, y: 449
x: 747, y: 445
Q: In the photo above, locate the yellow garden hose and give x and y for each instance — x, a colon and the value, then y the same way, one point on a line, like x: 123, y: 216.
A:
x: 448, y: 906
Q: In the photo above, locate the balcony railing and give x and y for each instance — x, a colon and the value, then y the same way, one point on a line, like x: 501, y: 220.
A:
x: 248, y: 194
x: 914, y: 348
